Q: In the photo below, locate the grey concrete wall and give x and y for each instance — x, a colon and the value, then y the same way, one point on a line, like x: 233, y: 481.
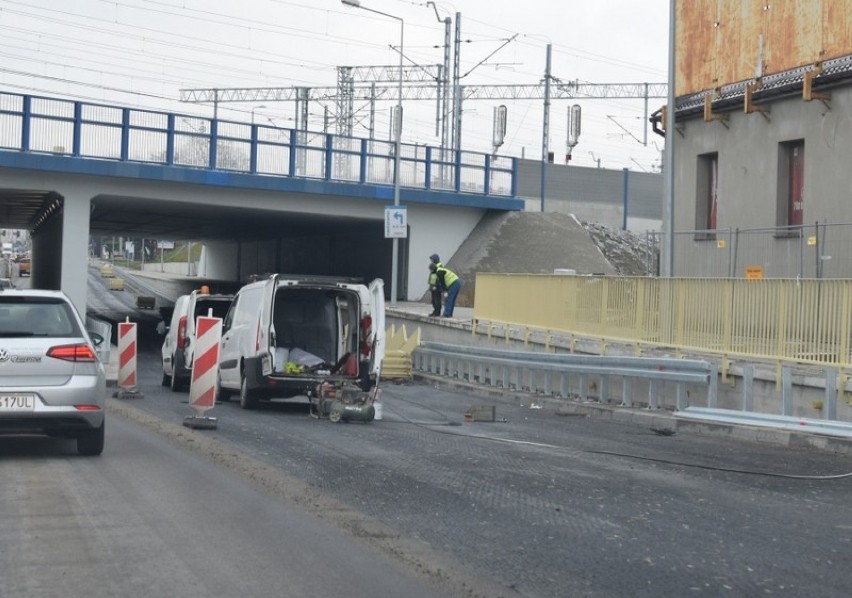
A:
x: 219, y: 260
x: 593, y: 194
x: 176, y: 268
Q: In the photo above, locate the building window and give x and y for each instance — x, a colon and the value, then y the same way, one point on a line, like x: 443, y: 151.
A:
x: 707, y: 195
x: 791, y: 184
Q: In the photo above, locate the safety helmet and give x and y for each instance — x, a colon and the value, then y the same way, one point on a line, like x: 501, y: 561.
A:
x: 434, y: 257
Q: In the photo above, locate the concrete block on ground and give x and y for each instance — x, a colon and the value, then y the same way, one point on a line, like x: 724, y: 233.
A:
x: 481, y: 413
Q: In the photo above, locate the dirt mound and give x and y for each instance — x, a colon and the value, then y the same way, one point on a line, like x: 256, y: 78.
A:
x: 536, y: 243
x: 629, y: 253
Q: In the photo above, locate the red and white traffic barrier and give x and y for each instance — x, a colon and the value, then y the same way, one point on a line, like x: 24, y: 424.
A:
x: 205, y: 363
x: 127, y: 355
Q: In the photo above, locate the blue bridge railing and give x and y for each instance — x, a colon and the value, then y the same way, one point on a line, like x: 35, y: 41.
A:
x: 85, y: 130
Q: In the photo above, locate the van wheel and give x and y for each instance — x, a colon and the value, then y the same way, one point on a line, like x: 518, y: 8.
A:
x: 247, y: 399
x: 223, y: 395
x: 167, y: 380
x: 175, y: 385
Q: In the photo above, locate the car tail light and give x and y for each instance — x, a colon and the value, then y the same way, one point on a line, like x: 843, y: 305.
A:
x: 78, y: 352
x: 181, y: 333
x: 87, y: 407
x: 257, y: 337
x: 366, y: 333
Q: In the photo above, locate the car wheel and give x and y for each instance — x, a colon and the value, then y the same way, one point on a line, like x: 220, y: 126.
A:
x: 91, y: 442
x: 222, y: 394
x: 247, y: 399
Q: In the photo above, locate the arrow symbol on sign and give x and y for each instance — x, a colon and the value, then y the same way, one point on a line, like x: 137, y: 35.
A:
x: 398, y: 216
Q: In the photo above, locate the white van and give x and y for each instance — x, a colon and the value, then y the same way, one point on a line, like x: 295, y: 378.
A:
x: 284, y: 337
x: 179, y: 343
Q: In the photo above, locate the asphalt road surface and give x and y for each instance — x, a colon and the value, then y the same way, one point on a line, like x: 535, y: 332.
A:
x: 150, y: 519
x: 540, y: 504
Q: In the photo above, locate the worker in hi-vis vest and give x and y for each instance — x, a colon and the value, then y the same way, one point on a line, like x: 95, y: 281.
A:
x: 449, y: 281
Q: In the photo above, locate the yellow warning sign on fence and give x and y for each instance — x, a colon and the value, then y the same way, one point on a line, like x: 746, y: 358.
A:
x: 754, y: 272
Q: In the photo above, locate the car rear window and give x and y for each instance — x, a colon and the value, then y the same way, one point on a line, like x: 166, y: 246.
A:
x: 36, y: 316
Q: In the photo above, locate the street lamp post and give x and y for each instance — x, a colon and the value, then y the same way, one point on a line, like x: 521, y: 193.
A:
x: 252, y: 112
x: 398, y: 138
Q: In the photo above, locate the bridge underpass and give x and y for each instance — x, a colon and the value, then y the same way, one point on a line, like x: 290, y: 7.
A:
x: 240, y: 241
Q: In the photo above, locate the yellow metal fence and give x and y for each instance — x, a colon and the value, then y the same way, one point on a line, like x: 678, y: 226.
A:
x: 806, y: 321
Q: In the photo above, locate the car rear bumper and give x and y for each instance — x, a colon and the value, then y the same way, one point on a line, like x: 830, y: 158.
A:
x: 77, y: 405
x: 51, y: 424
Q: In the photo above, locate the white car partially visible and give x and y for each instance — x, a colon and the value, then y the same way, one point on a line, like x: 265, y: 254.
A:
x: 51, y: 380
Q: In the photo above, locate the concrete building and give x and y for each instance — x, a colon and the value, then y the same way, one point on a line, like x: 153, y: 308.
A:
x: 763, y: 138
x: 15, y: 238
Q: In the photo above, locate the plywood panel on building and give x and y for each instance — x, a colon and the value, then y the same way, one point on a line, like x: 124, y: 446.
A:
x: 836, y: 28
x: 696, y: 46
x: 726, y: 41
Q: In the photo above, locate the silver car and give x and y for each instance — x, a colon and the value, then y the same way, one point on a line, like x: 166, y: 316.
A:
x: 51, y: 380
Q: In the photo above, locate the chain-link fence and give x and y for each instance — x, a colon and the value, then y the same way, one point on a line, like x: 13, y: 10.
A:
x: 807, y: 251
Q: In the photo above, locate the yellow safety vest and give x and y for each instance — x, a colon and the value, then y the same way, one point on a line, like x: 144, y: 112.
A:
x: 449, y: 276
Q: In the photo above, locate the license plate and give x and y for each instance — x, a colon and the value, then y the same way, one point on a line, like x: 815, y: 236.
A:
x: 13, y: 403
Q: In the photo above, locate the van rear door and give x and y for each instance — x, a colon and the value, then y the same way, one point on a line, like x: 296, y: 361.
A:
x: 377, y: 305
x: 264, y: 347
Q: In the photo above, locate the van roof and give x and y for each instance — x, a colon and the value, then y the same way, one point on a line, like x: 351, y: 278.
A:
x: 318, y: 279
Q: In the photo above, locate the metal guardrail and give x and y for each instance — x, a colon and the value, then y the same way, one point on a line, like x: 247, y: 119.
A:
x: 785, y: 419
x: 84, y: 130
x: 768, y: 420
x: 830, y: 425
x: 537, y: 372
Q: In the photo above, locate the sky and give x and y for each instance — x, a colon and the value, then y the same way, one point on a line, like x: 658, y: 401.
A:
x: 142, y: 53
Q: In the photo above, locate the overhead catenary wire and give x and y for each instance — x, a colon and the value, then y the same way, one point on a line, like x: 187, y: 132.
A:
x: 168, y: 50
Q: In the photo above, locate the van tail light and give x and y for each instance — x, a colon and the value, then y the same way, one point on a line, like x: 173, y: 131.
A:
x: 366, y: 333
x: 181, y: 333
x: 81, y: 352
x: 257, y: 337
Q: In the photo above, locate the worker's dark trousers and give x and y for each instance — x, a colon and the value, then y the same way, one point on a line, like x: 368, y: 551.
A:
x: 436, y: 303
x: 452, y: 293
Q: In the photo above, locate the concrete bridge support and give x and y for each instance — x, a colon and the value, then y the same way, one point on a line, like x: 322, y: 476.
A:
x: 61, y: 245
x: 74, y: 248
